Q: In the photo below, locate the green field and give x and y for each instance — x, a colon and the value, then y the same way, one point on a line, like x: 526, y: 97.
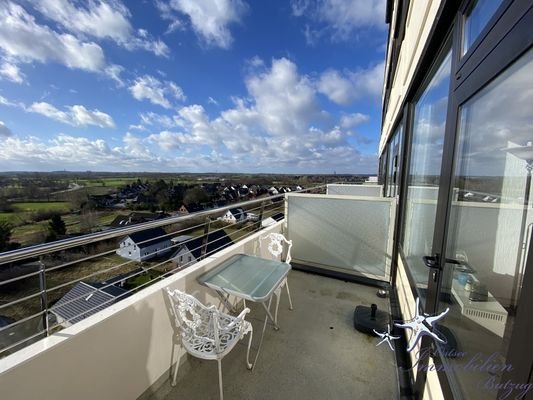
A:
x: 61, y: 206
x: 105, y: 182
x: 31, y: 233
x: 23, y: 211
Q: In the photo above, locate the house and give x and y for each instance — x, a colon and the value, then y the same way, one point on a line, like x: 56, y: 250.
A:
x: 234, y: 215
x: 143, y: 245
x: 136, y: 218
x: 273, y: 191
x: 190, y: 251
x: 84, y: 300
x: 272, y: 219
x: 176, y: 240
x: 252, y: 217
x: 191, y: 208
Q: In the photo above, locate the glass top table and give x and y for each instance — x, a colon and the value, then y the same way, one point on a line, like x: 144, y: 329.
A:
x: 247, y: 277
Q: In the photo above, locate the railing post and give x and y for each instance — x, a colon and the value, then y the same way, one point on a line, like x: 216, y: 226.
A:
x: 260, y: 220
x: 43, y: 297
x: 206, y: 238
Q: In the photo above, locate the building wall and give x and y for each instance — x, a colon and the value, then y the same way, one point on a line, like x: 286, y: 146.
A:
x: 184, y: 257
x: 229, y: 217
x: 420, y: 18
x: 129, y: 250
x: 154, y: 250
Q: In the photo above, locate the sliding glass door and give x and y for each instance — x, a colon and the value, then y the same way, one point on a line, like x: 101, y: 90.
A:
x: 489, y: 225
x: 424, y: 171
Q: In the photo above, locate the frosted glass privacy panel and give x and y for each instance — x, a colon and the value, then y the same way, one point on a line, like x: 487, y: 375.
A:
x: 350, y: 234
x: 354, y: 190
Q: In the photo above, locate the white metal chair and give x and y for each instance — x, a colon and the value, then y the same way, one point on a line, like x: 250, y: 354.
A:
x: 206, y: 332
x: 275, y: 248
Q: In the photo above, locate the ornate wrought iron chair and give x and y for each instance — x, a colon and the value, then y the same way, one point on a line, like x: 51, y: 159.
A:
x: 206, y: 332
x: 275, y: 247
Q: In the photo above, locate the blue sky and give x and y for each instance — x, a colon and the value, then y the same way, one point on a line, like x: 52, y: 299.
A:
x: 191, y: 85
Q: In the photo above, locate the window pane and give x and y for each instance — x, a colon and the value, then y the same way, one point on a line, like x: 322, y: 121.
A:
x: 424, y: 172
x: 476, y: 19
x: 489, y: 224
x: 394, y: 163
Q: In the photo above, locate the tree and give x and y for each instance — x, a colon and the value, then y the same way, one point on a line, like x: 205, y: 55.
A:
x: 88, y: 221
x: 5, y: 235
x: 196, y: 195
x: 56, y: 227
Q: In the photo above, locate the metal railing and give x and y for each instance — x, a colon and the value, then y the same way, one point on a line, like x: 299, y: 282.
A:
x: 52, y: 259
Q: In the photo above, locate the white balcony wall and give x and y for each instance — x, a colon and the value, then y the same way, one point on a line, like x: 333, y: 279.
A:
x: 123, y: 352
x: 344, y: 233
x: 354, y: 190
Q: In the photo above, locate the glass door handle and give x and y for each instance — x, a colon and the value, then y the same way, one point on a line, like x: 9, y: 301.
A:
x: 432, y: 262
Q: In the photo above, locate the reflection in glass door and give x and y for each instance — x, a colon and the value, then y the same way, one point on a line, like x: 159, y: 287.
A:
x: 490, y: 221
x: 424, y: 172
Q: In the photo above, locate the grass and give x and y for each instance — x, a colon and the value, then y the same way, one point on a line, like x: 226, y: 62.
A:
x: 42, y: 205
x: 28, y: 233
x: 106, y: 182
x: 142, y: 279
x: 14, y: 218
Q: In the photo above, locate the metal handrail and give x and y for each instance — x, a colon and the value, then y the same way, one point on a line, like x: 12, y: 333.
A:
x: 46, y: 248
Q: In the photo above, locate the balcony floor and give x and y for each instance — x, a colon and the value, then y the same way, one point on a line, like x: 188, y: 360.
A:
x: 317, y: 354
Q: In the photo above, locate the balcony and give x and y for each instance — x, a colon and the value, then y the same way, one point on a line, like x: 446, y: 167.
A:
x: 124, y: 351
x: 316, y: 354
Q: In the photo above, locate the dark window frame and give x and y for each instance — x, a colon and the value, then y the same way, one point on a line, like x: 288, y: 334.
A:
x: 502, y: 41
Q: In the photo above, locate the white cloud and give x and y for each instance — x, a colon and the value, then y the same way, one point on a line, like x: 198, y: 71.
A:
x: 76, y: 115
x: 273, y: 129
x: 256, y: 62
x: 138, y: 127
x: 113, y: 71
x: 76, y: 153
x: 101, y: 20
x: 22, y: 39
x: 345, y: 87
x: 210, y: 19
x: 278, y: 126
x: 156, y: 91
x: 336, y: 87
x: 352, y: 120
x: 151, y: 118
x: 4, y: 130
x: 284, y: 100
x: 6, y: 102
x: 166, y: 140
x: 339, y: 18
x: 11, y: 72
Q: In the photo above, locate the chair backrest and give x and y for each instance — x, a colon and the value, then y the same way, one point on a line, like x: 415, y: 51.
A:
x: 275, y: 243
x: 193, y: 318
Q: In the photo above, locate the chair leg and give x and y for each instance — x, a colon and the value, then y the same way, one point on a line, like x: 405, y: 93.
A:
x: 249, y: 365
x: 220, y: 379
x: 175, y: 375
x: 289, y: 295
x: 278, y: 296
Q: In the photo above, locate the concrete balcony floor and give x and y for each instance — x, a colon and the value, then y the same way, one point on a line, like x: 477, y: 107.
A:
x: 317, y: 354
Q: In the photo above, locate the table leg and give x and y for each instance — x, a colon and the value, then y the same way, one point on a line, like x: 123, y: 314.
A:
x: 264, y: 329
x: 269, y: 315
x: 224, y: 297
